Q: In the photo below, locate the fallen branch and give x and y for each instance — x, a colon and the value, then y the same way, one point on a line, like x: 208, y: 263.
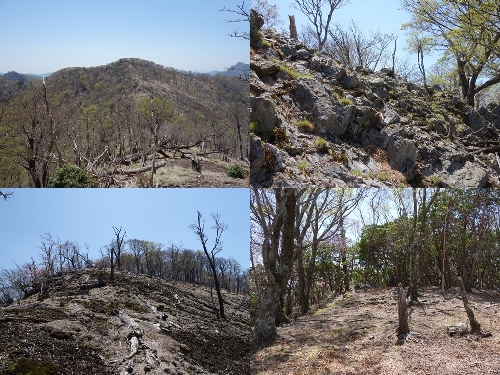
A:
x: 143, y: 169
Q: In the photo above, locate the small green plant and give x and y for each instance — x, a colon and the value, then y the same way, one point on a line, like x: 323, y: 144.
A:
x: 322, y: 145
x: 293, y: 73
x: 434, y: 180
x: 266, y: 44
x: 302, y: 165
x: 383, y: 176
x: 346, y: 101
x: 27, y: 366
x: 254, y: 126
x: 357, y: 173
x: 235, y: 171
x: 305, y: 126
x: 70, y: 176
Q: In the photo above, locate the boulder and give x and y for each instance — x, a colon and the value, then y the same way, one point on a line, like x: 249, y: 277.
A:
x: 263, y: 111
x: 264, y: 68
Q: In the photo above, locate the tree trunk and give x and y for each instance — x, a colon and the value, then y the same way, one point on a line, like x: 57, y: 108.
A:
x: 403, y: 328
x: 475, y: 327
x: 265, y: 327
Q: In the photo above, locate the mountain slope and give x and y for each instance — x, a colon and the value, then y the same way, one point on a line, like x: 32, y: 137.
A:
x: 136, y: 324
x: 315, y: 122
x: 101, y: 120
x: 355, y: 333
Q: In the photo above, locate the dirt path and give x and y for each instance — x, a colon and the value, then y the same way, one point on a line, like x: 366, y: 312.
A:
x: 355, y: 334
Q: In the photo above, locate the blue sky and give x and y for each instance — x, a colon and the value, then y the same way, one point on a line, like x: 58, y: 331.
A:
x: 88, y: 215
x: 45, y: 36
x: 370, y: 15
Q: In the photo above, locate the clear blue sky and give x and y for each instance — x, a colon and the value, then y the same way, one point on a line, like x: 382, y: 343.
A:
x: 87, y: 216
x: 370, y: 15
x: 45, y: 36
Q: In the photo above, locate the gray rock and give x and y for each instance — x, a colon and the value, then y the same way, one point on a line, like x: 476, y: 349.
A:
x: 264, y: 68
x: 303, y: 54
x: 474, y: 119
x: 467, y: 175
x: 349, y: 81
x: 391, y: 116
x: 263, y: 111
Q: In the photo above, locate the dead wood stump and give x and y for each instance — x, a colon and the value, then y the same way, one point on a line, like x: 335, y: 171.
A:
x: 403, y: 328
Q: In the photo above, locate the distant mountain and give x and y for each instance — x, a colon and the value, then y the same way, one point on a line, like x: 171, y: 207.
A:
x: 15, y: 76
x: 240, y: 69
x: 39, y: 75
x: 103, y: 111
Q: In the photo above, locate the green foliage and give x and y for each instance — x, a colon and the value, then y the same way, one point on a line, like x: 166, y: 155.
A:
x: 302, y: 165
x: 266, y: 44
x: 70, y: 176
x: 293, y: 73
x: 254, y: 126
x: 235, y: 171
x: 305, y: 126
x: 322, y: 145
x: 27, y: 366
x: 346, y: 101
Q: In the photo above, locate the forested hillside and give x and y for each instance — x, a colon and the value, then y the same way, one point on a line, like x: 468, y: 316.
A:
x: 142, y: 307
x: 118, y: 121
x: 308, y: 244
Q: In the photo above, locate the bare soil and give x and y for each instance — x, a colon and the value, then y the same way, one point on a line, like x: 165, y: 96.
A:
x: 356, y: 334
x: 80, y: 331
x: 178, y: 173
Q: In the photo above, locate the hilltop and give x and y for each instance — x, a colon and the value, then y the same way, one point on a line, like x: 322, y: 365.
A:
x: 316, y: 122
x: 355, y: 334
x: 110, y: 120
x: 133, y: 325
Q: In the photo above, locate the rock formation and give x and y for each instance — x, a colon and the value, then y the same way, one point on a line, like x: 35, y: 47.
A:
x: 316, y: 122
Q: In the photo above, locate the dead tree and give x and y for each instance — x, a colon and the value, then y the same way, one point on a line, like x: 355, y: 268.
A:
x: 403, y: 328
x: 475, y: 327
x: 195, y: 164
x: 293, y: 28
x: 199, y: 229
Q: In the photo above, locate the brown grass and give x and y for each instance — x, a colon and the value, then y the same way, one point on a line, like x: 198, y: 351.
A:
x: 358, y: 336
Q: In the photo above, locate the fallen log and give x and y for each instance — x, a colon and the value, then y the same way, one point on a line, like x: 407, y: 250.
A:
x: 143, y: 169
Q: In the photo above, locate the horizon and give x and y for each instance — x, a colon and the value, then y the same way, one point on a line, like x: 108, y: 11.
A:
x: 46, y: 74
x: 86, y: 216
x: 190, y: 35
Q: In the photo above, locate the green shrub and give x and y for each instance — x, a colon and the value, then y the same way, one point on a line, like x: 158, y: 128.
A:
x: 321, y: 145
x: 71, y: 176
x: 266, y: 44
x: 346, y: 101
x: 254, y: 126
x: 302, y: 164
x: 293, y: 73
x: 235, y: 171
x: 27, y: 366
x: 305, y: 126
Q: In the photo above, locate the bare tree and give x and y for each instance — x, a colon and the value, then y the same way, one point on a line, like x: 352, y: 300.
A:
x: 270, y: 13
x: 119, y: 243
x: 199, y: 229
x: 313, y: 10
x: 351, y: 47
x: 6, y: 195
x: 242, y: 15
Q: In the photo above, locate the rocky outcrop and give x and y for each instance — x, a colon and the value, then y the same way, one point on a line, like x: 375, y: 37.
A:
x: 316, y: 122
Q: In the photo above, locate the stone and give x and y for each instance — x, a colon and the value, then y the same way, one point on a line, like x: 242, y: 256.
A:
x: 263, y: 111
x: 264, y: 68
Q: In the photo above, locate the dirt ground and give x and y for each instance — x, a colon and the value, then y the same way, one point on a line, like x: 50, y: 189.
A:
x: 84, y: 332
x: 178, y: 173
x: 355, y: 334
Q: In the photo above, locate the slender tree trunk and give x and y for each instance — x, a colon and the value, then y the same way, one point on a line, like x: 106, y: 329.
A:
x: 403, y: 328
x: 475, y: 327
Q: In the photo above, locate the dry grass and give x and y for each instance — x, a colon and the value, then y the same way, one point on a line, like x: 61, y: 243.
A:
x: 358, y: 336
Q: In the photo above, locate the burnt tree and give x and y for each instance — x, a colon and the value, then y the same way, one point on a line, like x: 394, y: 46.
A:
x: 199, y: 229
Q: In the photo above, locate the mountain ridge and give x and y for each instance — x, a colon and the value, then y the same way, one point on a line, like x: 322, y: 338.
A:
x: 316, y: 122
